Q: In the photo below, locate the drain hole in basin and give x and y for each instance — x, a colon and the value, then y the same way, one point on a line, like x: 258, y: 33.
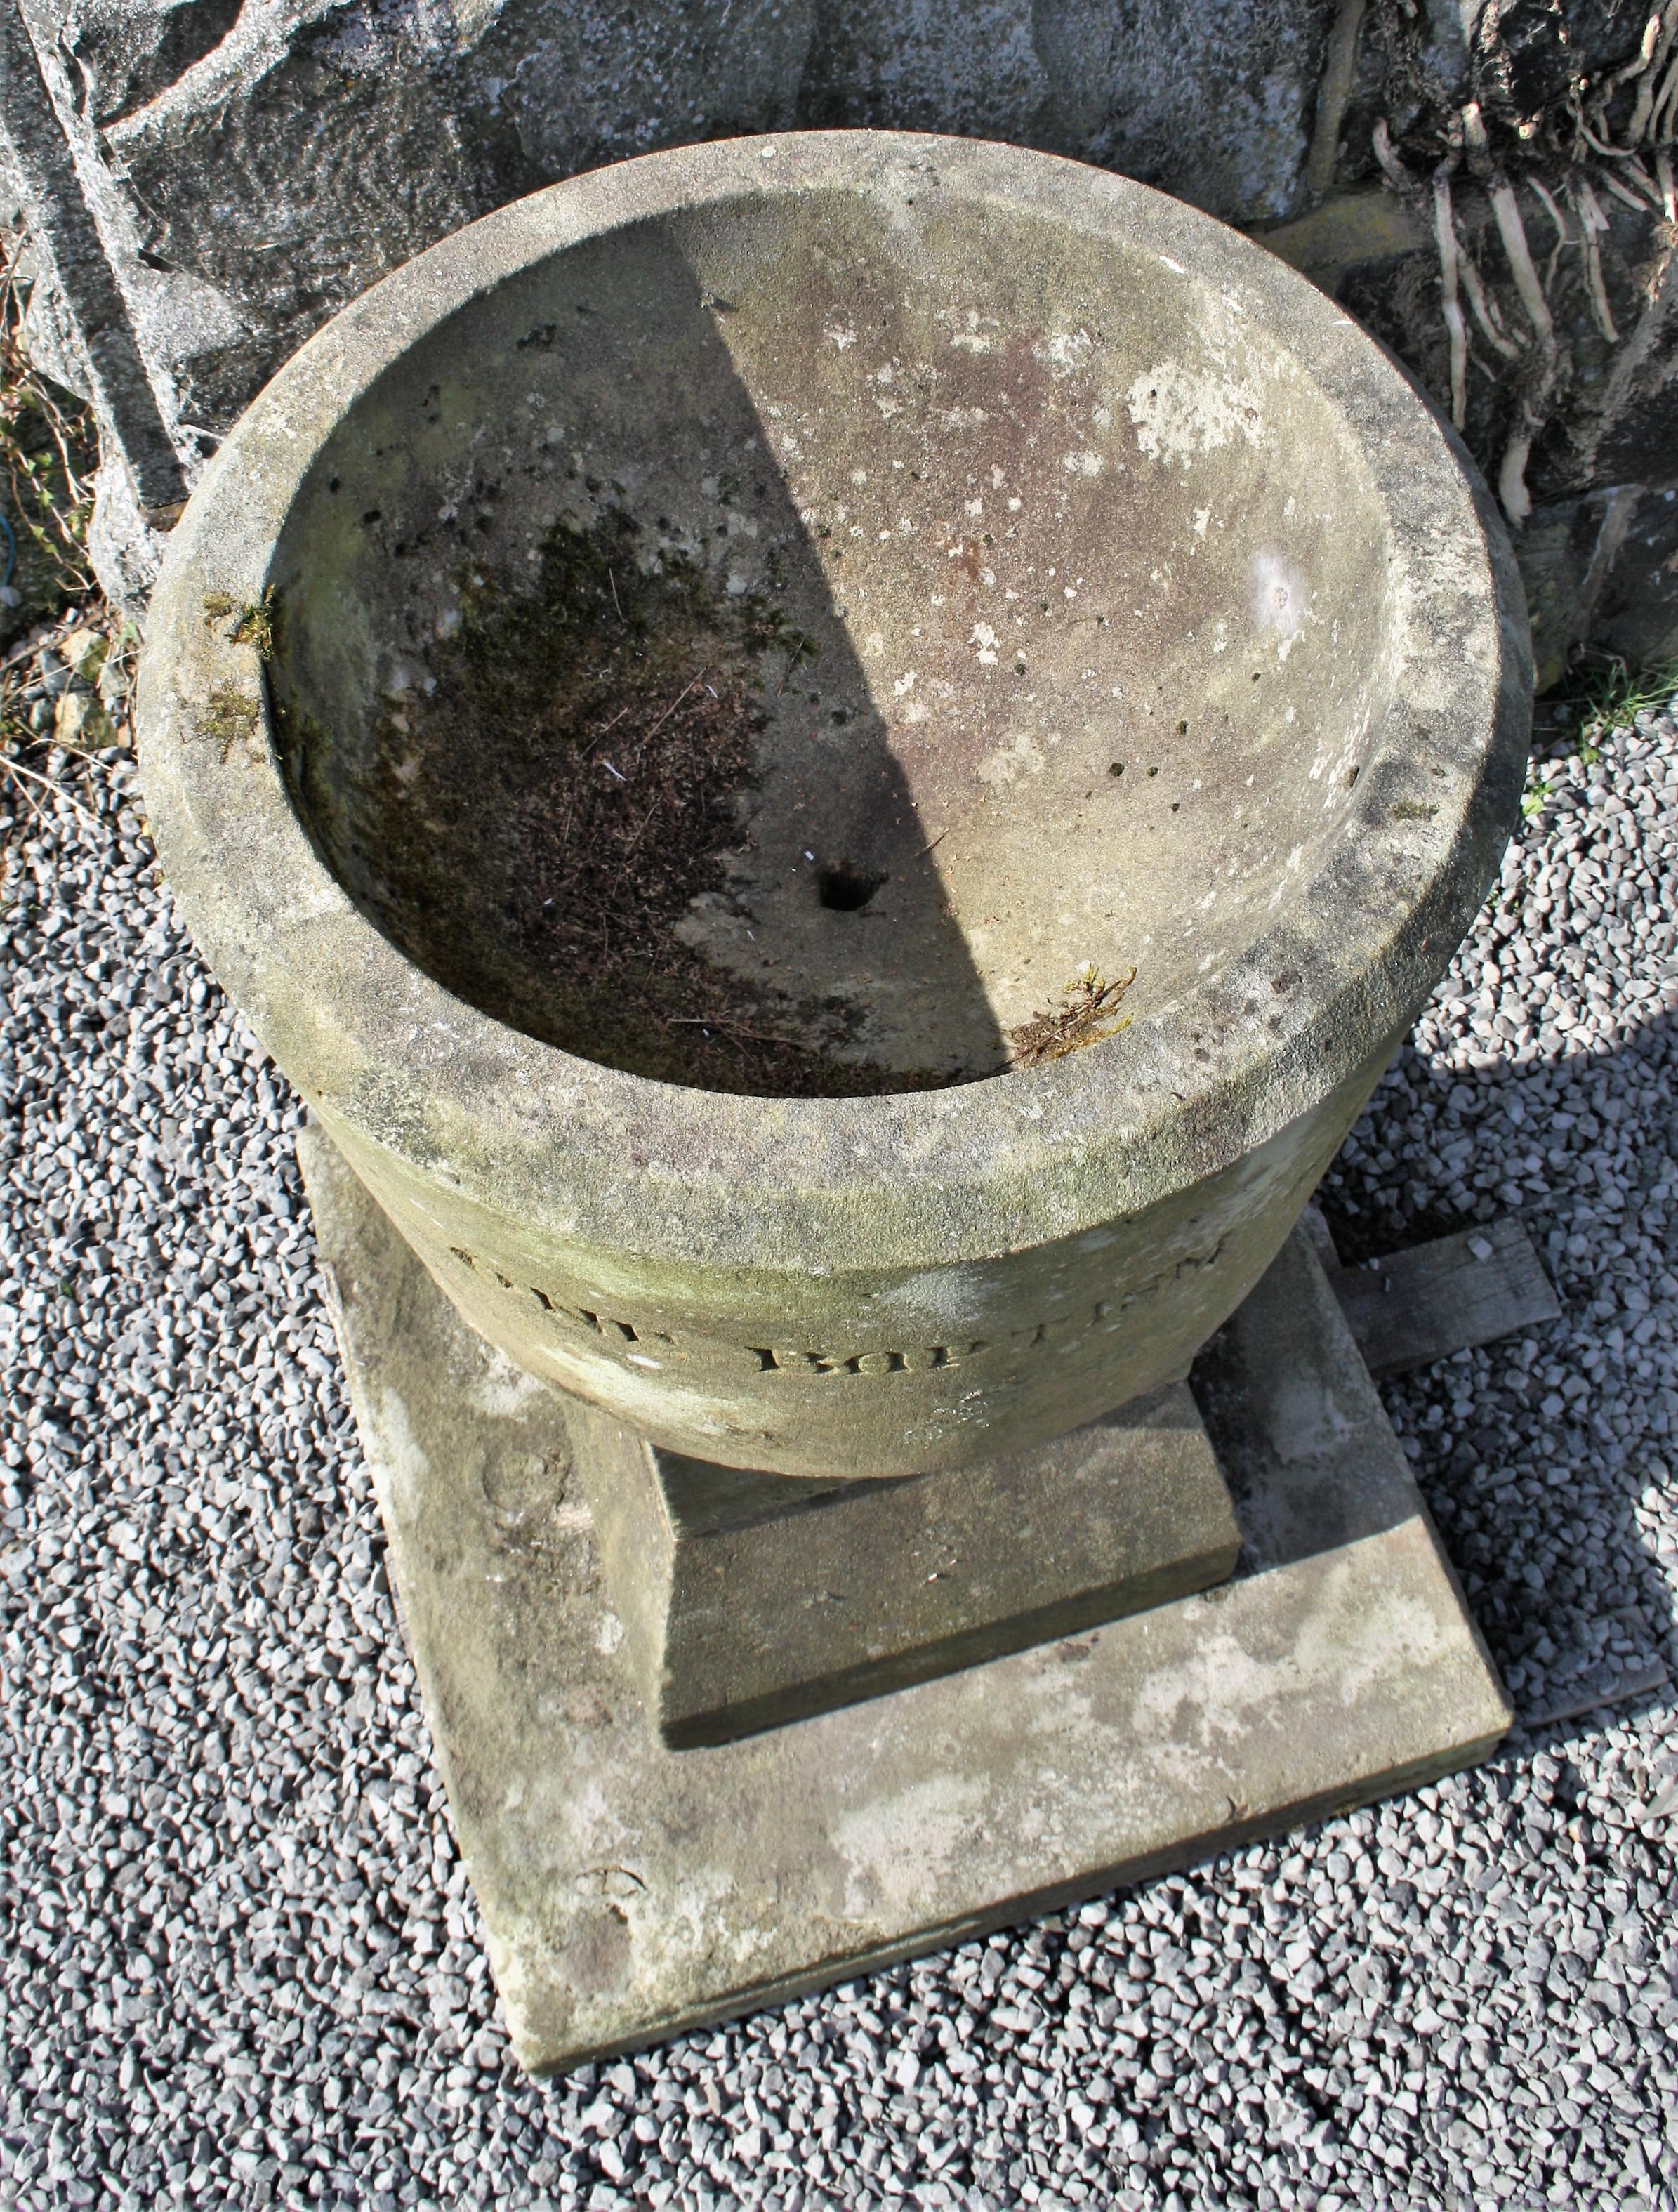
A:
x: 845, y: 889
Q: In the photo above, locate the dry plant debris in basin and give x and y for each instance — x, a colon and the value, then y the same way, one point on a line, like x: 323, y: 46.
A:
x: 611, y: 707
x: 1090, y: 1013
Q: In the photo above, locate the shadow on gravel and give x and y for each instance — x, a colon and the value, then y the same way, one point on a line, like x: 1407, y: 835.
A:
x: 1534, y: 1453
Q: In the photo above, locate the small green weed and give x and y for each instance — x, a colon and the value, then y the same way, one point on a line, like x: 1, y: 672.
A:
x: 1085, y: 1019
x: 1610, y: 693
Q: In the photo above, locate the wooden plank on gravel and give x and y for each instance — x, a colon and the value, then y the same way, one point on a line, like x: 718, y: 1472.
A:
x: 1413, y: 1308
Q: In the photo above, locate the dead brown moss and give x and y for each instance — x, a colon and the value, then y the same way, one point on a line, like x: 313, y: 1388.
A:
x: 533, y: 828
x: 1086, y: 1017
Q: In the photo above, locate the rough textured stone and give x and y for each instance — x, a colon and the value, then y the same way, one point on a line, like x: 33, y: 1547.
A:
x: 750, y: 1600
x: 290, y: 155
x: 1595, y: 552
x: 1315, y: 685
x: 629, y: 1891
x: 253, y: 169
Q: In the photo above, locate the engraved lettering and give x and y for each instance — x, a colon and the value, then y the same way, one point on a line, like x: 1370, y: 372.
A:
x: 1106, y: 1314
x: 878, y: 1363
x: 920, y: 1358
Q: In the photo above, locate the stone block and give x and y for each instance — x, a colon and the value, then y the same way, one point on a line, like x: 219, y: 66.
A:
x: 749, y: 1599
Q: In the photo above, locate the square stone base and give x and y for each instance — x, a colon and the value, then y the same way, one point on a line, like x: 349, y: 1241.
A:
x: 750, y: 1600
x: 630, y: 1891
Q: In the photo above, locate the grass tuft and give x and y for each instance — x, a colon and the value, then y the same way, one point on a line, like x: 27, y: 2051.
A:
x: 49, y: 450
x: 1609, y: 692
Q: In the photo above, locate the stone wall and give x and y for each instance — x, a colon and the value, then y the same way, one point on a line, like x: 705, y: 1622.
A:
x: 206, y: 181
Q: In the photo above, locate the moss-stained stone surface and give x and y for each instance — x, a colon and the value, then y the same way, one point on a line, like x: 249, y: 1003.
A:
x: 629, y: 1891
x: 535, y: 821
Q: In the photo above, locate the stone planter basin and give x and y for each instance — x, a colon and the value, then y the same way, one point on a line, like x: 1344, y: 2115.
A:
x: 836, y: 763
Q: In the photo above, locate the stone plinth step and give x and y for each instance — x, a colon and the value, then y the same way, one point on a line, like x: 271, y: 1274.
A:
x: 750, y: 1600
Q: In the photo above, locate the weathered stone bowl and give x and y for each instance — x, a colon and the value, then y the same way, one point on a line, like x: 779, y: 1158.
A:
x: 836, y: 763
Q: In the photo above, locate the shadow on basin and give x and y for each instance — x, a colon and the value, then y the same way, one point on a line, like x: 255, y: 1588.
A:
x: 569, y: 705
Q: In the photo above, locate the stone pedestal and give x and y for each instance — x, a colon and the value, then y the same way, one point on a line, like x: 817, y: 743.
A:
x: 750, y: 1600
x: 630, y: 1890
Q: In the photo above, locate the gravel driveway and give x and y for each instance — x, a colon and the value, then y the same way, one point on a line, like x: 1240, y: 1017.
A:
x: 239, y: 1963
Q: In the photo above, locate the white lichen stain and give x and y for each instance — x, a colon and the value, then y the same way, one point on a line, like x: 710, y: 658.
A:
x: 1179, y: 413
x: 895, y: 1849
x: 1009, y: 762
x: 1064, y: 352
x: 1084, y: 465
x: 1279, y: 600
x: 399, y: 1457
x: 985, y: 638
x: 503, y: 1391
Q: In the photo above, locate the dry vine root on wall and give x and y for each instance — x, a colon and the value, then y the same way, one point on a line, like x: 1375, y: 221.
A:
x: 1548, y: 192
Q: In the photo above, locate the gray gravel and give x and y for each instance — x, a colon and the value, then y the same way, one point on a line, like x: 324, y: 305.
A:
x: 239, y: 1963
